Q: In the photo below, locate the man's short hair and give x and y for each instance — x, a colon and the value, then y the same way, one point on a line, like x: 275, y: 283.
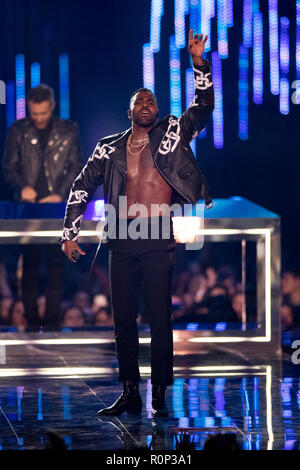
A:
x: 41, y: 93
x: 138, y: 91
x: 294, y: 270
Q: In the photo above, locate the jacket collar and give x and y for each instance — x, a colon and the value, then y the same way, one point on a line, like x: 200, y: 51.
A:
x: 120, y: 141
x: 119, y: 155
x: 30, y: 125
x: 32, y: 131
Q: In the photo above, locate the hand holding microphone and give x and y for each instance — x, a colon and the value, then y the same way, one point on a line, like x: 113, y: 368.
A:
x: 72, y: 250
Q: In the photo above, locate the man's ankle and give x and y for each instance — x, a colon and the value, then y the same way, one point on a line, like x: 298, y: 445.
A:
x: 159, y: 389
x: 131, y: 386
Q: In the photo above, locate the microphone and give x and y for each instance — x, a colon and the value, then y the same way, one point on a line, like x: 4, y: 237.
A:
x: 75, y: 255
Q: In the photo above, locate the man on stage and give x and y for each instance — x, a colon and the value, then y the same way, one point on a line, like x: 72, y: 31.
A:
x: 152, y: 165
x: 42, y: 158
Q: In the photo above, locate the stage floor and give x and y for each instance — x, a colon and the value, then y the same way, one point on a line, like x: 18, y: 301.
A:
x: 60, y: 387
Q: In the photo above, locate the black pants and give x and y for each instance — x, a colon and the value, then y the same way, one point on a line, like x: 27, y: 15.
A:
x: 133, y: 263
x: 32, y: 256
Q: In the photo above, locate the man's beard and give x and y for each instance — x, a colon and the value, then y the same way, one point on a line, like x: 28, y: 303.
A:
x: 145, y: 123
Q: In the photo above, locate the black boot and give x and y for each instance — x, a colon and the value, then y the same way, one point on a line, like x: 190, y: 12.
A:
x: 129, y: 401
x: 159, y: 408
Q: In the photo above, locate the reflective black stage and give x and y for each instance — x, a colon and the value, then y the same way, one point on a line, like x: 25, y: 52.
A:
x: 62, y: 386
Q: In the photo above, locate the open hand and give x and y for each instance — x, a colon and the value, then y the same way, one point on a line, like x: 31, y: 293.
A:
x: 196, y: 45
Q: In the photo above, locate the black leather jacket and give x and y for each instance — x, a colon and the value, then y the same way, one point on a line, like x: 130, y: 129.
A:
x: 172, y: 156
x: 23, y: 156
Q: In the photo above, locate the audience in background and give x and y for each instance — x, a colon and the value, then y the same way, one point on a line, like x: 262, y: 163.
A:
x: 99, y: 301
x: 237, y: 301
x: 201, y: 294
x: 290, y: 288
x: 103, y: 317
x: 82, y: 300
x: 211, y: 276
x: 286, y: 315
x: 6, y: 303
x: 227, y: 279
x: 221, y: 442
x: 41, y: 304
x: 5, y: 289
x: 17, y: 315
x: 72, y: 317
x: 217, y: 301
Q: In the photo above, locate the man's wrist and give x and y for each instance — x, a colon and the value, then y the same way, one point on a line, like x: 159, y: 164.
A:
x: 57, y: 196
x: 63, y: 240
x: 197, y: 60
x: 61, y: 195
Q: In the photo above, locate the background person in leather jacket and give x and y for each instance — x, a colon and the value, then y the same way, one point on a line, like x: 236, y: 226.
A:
x: 42, y: 158
x: 151, y: 163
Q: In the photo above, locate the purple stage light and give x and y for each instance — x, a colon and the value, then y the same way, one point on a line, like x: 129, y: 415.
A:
x: 148, y: 67
x: 157, y: 10
x: 247, y: 23
x: 35, y: 73
x: 222, y: 29
x: 258, y: 58
x: 20, y: 87
x: 64, y: 94
x: 284, y: 55
x: 175, y: 78
x: 273, y: 45
x: 243, y: 92
x: 218, y: 127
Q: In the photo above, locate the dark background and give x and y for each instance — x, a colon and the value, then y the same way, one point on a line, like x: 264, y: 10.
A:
x: 104, y: 41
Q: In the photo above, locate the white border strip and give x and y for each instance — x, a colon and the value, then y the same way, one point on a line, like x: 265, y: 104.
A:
x: 203, y: 339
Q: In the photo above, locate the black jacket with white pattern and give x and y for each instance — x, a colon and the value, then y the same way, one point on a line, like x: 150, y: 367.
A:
x: 172, y: 156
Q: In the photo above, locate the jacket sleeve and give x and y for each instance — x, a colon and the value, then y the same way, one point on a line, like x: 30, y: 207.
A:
x: 196, y: 117
x: 82, y: 191
x: 12, y: 169
x: 74, y: 164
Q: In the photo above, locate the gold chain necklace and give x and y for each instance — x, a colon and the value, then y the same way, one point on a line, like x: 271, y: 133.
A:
x: 140, y: 151
x: 140, y: 140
